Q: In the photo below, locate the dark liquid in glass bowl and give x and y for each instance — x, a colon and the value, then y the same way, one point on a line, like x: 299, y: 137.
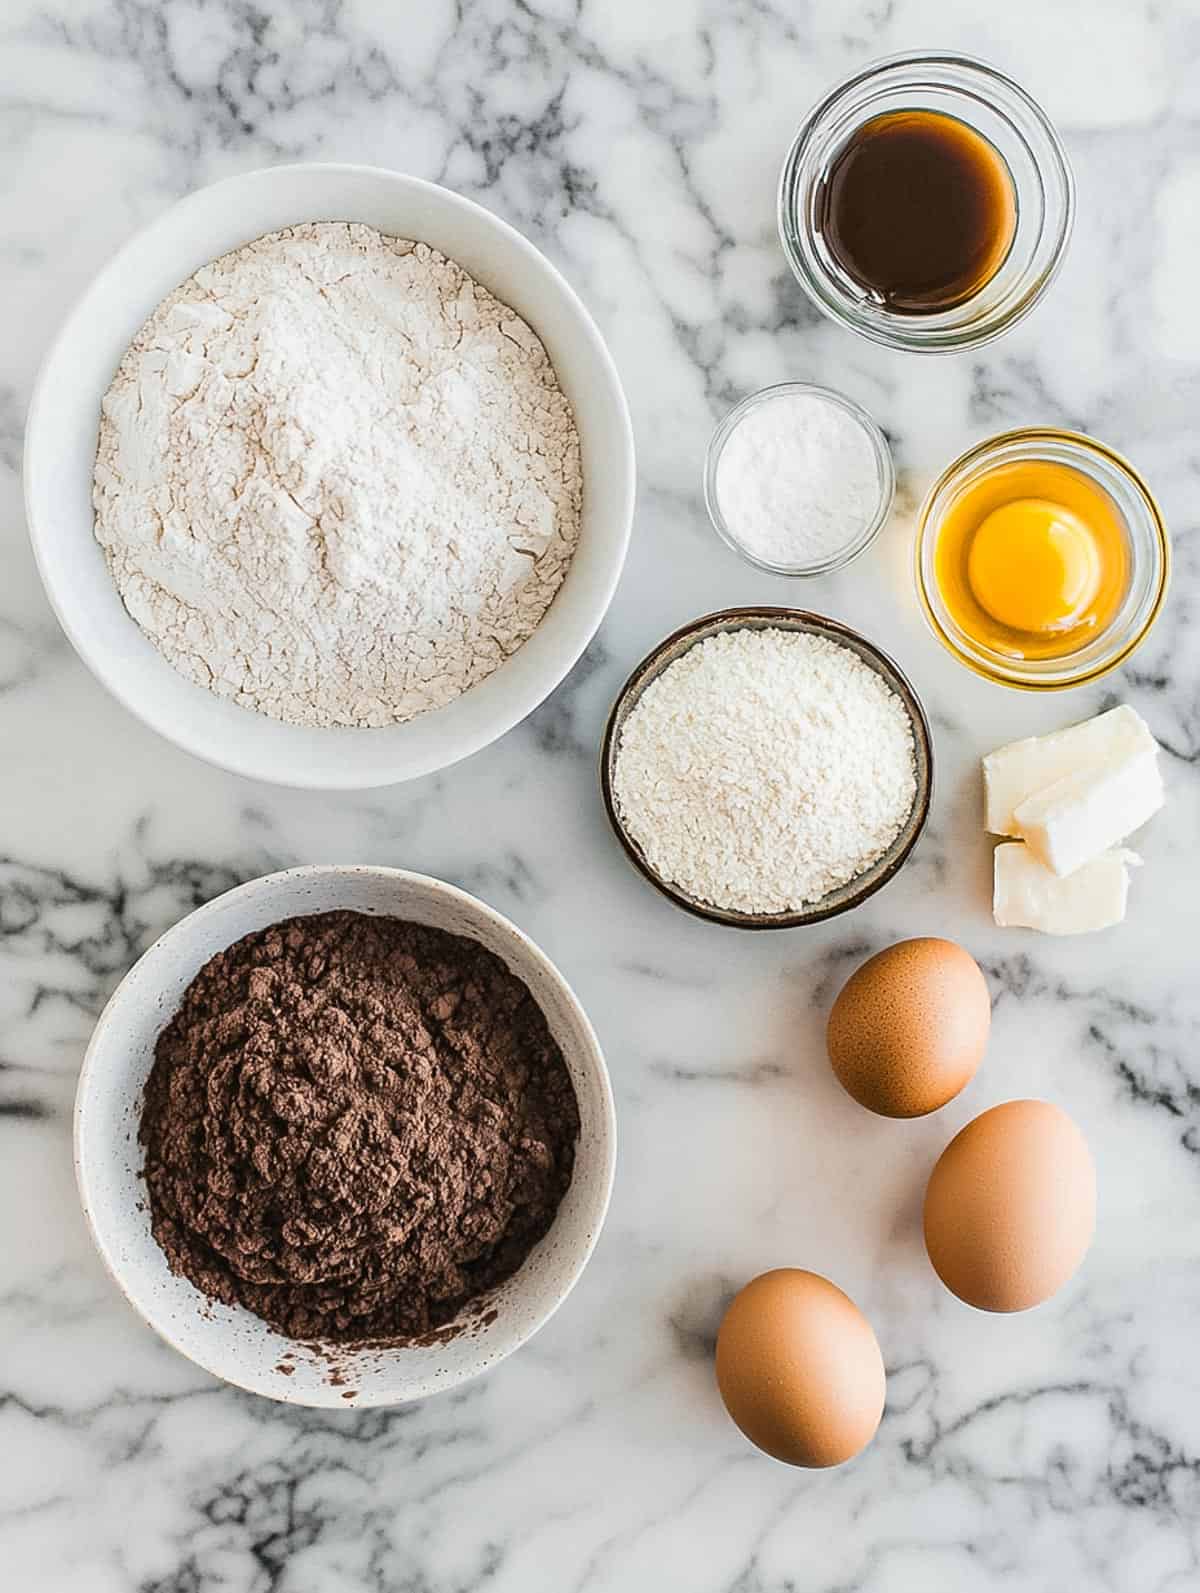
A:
x: 919, y: 209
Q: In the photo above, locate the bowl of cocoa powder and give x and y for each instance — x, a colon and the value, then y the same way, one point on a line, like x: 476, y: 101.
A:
x: 344, y: 1136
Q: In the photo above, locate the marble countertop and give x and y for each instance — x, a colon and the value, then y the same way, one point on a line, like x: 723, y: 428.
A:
x: 638, y: 144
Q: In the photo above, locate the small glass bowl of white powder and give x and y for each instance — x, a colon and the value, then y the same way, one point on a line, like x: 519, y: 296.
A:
x: 798, y: 479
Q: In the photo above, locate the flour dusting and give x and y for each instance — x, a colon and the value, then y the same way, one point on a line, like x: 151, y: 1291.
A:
x: 337, y: 481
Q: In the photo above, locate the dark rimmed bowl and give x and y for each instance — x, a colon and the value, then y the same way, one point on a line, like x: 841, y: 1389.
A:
x: 846, y: 896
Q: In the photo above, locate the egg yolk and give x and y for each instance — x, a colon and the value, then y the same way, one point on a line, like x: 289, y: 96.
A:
x: 1031, y: 558
x: 1033, y: 565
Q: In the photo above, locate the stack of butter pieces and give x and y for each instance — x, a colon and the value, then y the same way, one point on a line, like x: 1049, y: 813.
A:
x: 1071, y: 798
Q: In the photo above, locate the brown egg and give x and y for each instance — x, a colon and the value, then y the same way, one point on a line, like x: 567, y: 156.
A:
x: 1011, y: 1206
x: 910, y: 1027
x: 799, y: 1369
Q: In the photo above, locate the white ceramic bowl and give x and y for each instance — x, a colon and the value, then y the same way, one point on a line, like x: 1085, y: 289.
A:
x: 233, y: 1343
x: 60, y: 450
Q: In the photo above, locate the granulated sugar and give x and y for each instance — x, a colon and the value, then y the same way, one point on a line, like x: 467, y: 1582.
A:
x: 764, y: 769
x: 797, y: 481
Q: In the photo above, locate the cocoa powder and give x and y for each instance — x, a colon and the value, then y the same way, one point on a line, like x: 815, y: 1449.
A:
x: 354, y: 1126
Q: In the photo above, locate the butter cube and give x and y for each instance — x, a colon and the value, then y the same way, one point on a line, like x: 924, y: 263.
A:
x: 1028, y: 896
x: 1083, y: 814
x: 1014, y: 773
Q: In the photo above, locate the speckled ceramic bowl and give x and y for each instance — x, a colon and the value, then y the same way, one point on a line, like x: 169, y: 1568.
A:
x: 855, y: 891
x: 232, y: 1343
x: 60, y: 456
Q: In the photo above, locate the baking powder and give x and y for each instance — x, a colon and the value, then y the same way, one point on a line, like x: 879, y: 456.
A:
x: 797, y: 480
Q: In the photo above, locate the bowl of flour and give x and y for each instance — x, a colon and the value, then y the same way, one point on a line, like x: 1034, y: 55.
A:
x: 329, y: 476
x: 767, y: 768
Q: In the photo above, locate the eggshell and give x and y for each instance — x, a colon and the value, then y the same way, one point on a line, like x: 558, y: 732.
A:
x: 910, y: 1027
x: 1010, y: 1208
x: 799, y: 1369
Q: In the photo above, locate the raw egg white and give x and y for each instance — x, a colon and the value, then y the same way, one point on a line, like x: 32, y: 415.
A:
x: 1032, y: 559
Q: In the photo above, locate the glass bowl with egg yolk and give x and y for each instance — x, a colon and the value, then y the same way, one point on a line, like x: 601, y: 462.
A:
x: 1042, y: 559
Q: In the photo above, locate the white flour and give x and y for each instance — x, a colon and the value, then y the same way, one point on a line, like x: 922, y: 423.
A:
x: 764, y: 768
x: 797, y: 480
x: 337, y: 481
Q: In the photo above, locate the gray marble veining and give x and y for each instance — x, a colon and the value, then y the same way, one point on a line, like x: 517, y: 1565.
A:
x: 639, y: 145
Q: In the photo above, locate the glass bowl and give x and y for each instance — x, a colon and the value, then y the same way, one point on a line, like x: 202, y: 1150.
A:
x: 862, y: 538
x: 1147, y: 545
x: 855, y: 891
x: 995, y: 107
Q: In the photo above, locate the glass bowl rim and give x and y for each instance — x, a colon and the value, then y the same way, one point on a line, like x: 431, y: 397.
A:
x: 900, y: 332
x: 725, y: 429
x: 1082, y: 443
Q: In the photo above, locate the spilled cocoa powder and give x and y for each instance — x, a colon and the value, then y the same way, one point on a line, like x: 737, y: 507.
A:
x: 354, y: 1126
